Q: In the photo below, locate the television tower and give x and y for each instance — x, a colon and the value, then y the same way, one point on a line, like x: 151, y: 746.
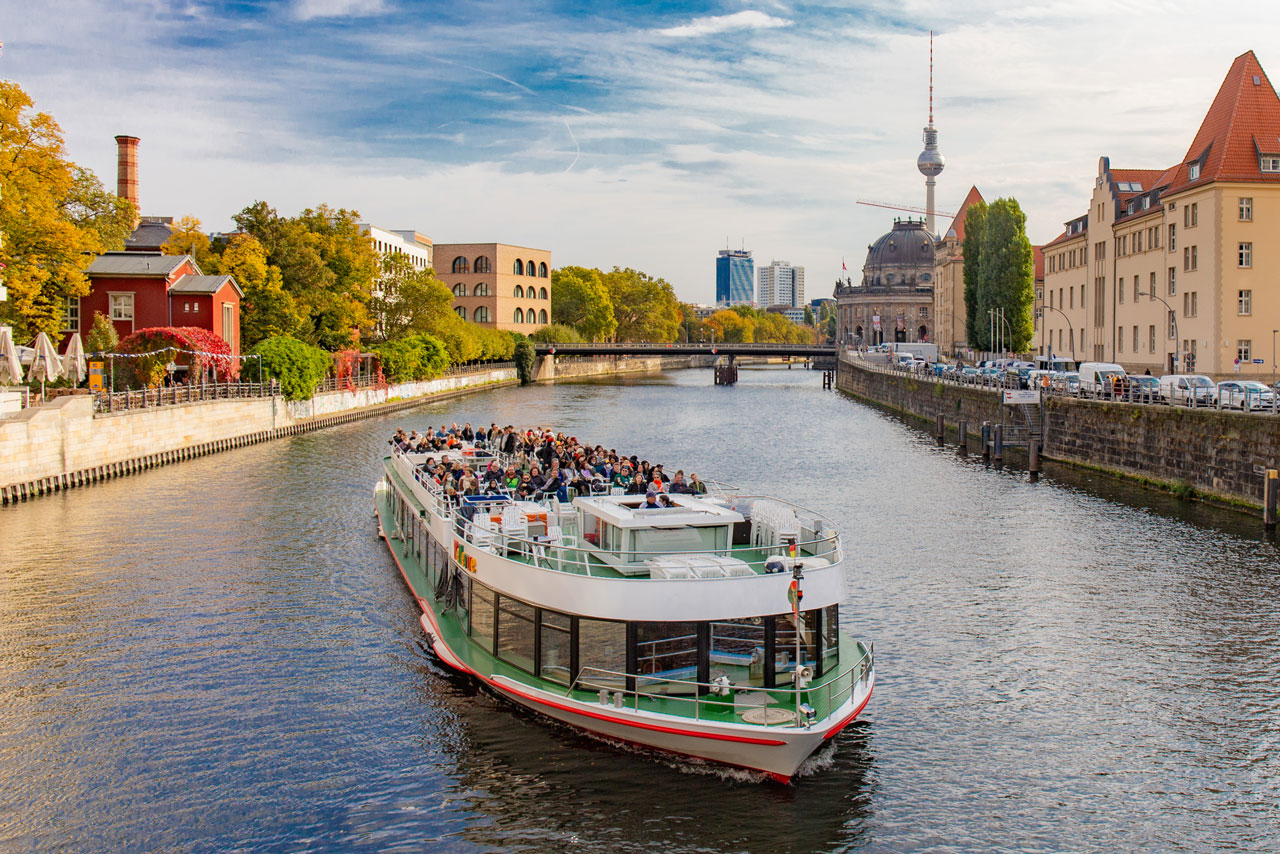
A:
x: 930, y: 162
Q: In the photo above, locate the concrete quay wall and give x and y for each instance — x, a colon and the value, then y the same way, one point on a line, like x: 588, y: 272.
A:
x: 62, y: 444
x: 1215, y: 453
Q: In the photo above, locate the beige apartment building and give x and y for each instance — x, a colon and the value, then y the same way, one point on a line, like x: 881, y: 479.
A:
x: 496, y: 284
x: 1171, y: 269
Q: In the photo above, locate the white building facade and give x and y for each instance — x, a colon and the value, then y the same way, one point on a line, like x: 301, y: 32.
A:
x: 388, y: 241
x: 781, y: 283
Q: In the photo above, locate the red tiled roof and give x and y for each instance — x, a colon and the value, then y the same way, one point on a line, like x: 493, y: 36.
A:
x: 957, y: 224
x: 1063, y: 238
x: 1145, y: 178
x: 1243, y: 121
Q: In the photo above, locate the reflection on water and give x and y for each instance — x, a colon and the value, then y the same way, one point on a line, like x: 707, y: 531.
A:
x: 219, y: 655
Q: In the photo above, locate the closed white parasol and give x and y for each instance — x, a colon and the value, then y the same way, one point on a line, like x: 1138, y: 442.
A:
x: 10, y: 365
x: 74, y: 365
x: 46, y: 366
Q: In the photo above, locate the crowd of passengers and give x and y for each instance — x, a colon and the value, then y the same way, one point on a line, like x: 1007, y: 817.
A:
x: 542, y: 463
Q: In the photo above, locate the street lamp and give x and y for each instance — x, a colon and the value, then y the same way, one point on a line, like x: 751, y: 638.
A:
x: 1174, y: 315
x: 1072, y: 338
x: 1273, y: 355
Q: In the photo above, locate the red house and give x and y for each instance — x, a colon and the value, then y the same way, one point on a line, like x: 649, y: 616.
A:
x: 138, y: 290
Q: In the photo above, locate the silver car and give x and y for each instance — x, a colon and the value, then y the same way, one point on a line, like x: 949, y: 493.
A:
x: 1244, y: 394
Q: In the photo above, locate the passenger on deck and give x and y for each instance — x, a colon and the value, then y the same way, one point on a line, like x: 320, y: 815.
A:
x: 678, y: 485
x: 696, y: 487
x: 637, y: 486
x: 651, y: 500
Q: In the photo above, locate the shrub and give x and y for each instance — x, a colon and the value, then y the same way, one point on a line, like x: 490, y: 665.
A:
x: 299, y: 367
x: 156, y: 346
x: 414, y: 357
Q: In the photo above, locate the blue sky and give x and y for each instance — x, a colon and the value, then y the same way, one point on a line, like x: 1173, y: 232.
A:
x: 636, y: 134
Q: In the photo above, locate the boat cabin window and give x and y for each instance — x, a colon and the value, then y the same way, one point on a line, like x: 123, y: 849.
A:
x: 667, y: 649
x: 482, y: 615
x: 737, y: 650
x: 785, y: 644
x: 555, y: 645
x: 602, y: 644
x: 515, y: 632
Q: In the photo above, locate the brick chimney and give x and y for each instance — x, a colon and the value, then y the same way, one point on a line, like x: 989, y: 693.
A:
x: 127, y: 169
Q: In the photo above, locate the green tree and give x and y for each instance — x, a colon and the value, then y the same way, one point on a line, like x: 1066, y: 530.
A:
x: 188, y: 238
x: 326, y: 265
x: 1006, y: 273
x: 556, y: 333
x: 54, y: 216
x: 580, y: 298
x: 645, y: 307
x: 732, y: 327
x: 269, y: 310
x: 974, y: 225
x: 299, y: 367
x: 407, y: 300
x: 809, y: 319
x: 524, y: 359
x: 102, y: 338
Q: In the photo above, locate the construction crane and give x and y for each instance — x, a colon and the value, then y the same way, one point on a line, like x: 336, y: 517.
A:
x: 909, y: 208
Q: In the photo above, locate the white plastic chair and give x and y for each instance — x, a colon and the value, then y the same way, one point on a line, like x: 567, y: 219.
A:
x: 515, y: 525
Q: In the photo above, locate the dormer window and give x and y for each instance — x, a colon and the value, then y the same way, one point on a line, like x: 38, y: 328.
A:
x: 1193, y: 171
x: 1270, y: 163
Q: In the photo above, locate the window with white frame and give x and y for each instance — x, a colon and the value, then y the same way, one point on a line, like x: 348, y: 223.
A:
x: 122, y: 307
x: 1270, y: 162
x: 71, y: 315
x: 1246, y: 209
x: 1244, y: 302
x: 1173, y: 237
x: 1173, y: 326
x: 1151, y: 338
x: 1245, y: 255
x: 1173, y: 281
x: 1244, y: 350
x: 1193, y: 171
x: 1135, y: 340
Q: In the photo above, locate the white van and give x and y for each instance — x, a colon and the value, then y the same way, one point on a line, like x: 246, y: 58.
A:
x: 1187, y: 389
x: 1097, y: 378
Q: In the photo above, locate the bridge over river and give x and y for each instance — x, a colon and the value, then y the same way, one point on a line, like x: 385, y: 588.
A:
x: 820, y: 356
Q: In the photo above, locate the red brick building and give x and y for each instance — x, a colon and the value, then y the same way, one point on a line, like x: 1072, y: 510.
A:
x: 138, y: 290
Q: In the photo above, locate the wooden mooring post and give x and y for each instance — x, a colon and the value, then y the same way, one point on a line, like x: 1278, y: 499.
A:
x: 986, y: 440
x: 997, y: 445
x: 963, y: 428
x: 1269, y: 500
x: 942, y: 430
x: 1033, y: 460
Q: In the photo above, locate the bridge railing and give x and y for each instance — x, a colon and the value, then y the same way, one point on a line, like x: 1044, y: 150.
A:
x: 696, y: 345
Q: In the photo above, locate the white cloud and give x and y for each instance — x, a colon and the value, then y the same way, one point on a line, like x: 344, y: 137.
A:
x: 748, y: 20
x: 307, y: 10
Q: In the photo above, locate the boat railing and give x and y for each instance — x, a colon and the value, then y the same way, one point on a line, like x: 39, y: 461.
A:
x: 567, y: 554
x: 630, y: 689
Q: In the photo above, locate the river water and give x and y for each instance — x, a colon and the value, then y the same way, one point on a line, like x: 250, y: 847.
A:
x: 219, y: 655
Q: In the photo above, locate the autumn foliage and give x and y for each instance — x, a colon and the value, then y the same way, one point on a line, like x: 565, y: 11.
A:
x: 198, y: 349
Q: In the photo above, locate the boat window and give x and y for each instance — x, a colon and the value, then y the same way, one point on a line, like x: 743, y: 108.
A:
x: 830, y: 637
x: 786, y: 644
x: 556, y: 646
x: 669, y: 650
x: 737, y: 650
x: 652, y: 541
x: 602, y: 644
x: 515, y: 632
x: 482, y: 615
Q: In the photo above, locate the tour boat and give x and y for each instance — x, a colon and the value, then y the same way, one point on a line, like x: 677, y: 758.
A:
x: 674, y: 628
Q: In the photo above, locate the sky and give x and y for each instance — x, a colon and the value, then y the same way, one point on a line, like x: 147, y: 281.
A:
x: 640, y: 134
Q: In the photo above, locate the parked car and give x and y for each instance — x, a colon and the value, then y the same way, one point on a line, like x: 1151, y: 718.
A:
x: 1100, y: 378
x: 1187, y: 389
x: 1143, y: 388
x: 1243, y: 394
x: 1065, y: 381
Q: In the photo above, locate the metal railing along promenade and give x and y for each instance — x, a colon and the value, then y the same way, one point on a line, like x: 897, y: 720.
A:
x: 124, y: 401
x: 1125, y: 393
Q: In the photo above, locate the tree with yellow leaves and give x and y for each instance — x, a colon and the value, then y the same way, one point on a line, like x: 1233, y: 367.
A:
x: 54, y: 216
x: 188, y: 238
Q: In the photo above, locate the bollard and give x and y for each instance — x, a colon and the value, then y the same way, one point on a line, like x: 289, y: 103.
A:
x: 942, y: 430
x: 986, y: 440
x: 997, y: 443
x: 963, y: 428
x: 1269, y: 494
x: 1033, y: 460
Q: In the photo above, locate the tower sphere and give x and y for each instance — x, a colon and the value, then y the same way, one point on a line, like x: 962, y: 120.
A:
x: 930, y: 162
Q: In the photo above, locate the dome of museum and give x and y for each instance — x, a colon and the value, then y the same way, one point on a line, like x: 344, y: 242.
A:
x: 905, y: 254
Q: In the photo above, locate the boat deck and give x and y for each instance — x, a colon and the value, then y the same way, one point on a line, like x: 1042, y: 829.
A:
x: 656, y: 694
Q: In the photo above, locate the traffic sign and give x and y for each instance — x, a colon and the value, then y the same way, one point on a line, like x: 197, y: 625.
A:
x: 1259, y: 361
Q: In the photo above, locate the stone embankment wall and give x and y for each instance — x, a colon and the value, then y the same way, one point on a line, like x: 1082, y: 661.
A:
x: 549, y: 368
x: 1212, y: 452
x: 62, y: 444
